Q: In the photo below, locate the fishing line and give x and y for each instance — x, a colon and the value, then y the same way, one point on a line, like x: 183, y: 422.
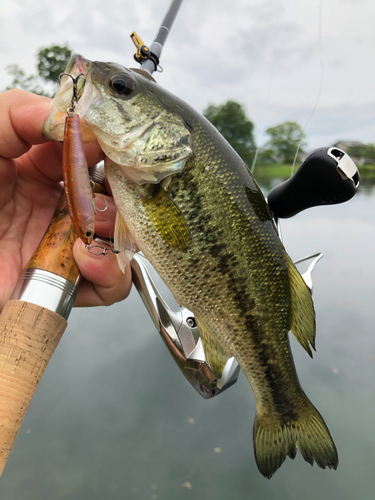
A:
x: 255, y: 160
x: 320, y: 85
x: 270, y: 83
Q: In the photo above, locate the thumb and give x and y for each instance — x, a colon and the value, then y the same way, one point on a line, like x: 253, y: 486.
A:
x: 103, y: 282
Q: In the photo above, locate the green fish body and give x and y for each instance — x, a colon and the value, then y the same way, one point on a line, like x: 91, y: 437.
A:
x: 189, y: 203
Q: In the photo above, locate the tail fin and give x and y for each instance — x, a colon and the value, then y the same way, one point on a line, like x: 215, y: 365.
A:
x: 274, y: 440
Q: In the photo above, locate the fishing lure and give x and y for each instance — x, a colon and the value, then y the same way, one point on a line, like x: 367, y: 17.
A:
x: 77, y: 183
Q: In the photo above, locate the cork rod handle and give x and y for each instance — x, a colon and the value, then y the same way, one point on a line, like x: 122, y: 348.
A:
x: 32, y: 326
x: 30, y: 332
x: 29, y: 335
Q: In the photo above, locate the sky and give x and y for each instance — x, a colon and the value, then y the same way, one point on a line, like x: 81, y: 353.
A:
x: 312, y: 62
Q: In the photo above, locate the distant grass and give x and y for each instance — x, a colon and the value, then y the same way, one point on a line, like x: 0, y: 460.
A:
x: 273, y: 170
x: 266, y: 171
x: 269, y: 175
x: 367, y: 171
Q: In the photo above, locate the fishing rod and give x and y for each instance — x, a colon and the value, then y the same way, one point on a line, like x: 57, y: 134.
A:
x: 147, y: 57
x: 35, y: 318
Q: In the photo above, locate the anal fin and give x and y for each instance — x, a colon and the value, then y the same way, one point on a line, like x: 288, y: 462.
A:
x: 216, y: 355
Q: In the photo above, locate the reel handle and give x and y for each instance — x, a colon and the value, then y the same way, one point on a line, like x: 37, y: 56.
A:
x: 327, y: 176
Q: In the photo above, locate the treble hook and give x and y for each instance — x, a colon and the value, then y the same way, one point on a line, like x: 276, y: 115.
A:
x: 96, y: 209
x: 74, y: 100
x: 102, y: 250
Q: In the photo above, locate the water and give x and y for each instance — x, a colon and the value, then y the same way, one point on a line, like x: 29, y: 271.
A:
x: 114, y: 418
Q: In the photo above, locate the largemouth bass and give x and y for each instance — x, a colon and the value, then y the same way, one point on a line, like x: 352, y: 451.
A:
x: 187, y: 200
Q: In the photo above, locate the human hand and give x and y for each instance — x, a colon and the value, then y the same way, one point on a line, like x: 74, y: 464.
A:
x: 30, y: 185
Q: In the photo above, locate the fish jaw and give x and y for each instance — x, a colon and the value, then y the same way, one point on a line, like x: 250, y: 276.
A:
x: 140, y: 158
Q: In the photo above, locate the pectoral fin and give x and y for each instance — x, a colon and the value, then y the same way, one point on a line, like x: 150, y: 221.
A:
x: 302, y: 321
x: 216, y: 355
x: 123, y: 242
x: 167, y: 219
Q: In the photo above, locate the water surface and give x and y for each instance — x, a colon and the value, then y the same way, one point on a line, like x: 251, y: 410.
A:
x: 114, y: 418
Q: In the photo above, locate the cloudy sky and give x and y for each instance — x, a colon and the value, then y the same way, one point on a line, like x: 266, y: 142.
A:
x: 312, y: 62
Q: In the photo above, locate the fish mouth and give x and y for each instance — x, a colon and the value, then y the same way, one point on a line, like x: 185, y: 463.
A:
x: 53, y: 128
x: 78, y: 65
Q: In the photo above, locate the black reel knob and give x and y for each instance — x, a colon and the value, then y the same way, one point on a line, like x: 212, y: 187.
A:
x: 327, y: 176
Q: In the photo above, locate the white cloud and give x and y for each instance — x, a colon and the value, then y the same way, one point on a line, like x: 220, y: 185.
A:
x: 274, y: 57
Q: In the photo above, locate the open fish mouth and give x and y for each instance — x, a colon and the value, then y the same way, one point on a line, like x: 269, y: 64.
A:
x: 53, y: 128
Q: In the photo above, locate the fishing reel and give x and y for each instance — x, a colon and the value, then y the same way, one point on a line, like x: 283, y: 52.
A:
x: 327, y: 176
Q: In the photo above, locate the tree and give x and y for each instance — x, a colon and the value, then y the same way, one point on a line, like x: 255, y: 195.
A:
x: 51, y: 62
x: 285, y: 140
x: 362, y: 153
x: 21, y: 81
x: 231, y: 121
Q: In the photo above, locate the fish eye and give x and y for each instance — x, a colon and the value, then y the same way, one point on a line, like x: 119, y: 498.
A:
x: 121, y: 85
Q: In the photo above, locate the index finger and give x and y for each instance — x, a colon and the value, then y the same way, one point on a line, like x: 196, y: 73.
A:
x: 22, y: 115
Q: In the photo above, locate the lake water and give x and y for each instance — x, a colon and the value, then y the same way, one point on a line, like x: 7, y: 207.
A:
x: 113, y: 418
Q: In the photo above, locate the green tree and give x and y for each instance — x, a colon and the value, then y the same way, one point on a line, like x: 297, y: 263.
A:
x: 284, y: 141
x: 21, y: 81
x: 51, y: 61
x: 363, y: 152
x: 231, y: 121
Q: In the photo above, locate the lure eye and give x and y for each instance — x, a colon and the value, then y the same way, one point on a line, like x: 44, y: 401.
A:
x: 121, y: 85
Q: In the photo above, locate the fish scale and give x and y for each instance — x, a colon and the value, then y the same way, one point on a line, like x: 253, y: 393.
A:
x: 188, y: 201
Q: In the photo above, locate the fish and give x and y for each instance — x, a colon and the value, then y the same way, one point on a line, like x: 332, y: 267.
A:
x: 189, y: 203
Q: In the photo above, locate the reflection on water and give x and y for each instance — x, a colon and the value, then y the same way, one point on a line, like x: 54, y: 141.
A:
x: 367, y: 185
x: 114, y: 418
